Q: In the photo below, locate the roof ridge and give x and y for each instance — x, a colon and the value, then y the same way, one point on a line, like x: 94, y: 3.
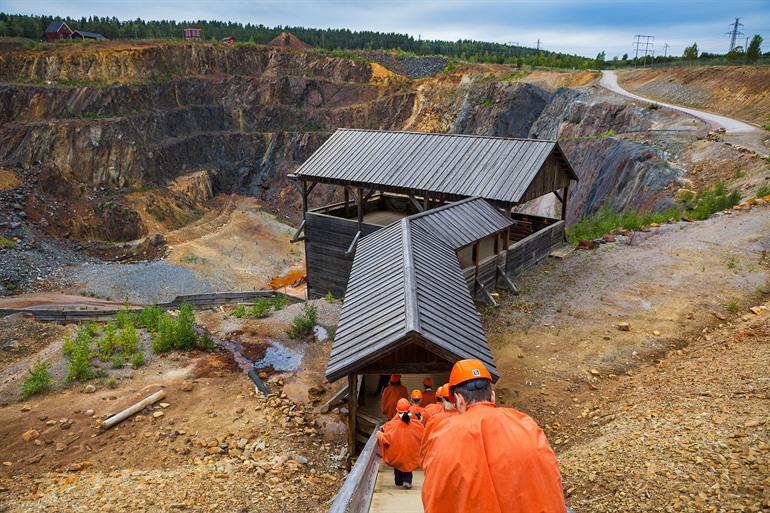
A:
x: 445, y: 134
x: 410, y: 279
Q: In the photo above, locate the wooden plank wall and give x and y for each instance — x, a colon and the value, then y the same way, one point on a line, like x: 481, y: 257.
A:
x: 327, y: 239
x: 553, y: 176
x: 521, y: 255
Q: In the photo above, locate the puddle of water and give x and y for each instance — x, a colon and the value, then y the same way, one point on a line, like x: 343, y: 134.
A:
x: 280, y: 357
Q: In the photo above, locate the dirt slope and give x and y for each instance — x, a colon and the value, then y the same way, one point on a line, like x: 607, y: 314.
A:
x: 737, y: 91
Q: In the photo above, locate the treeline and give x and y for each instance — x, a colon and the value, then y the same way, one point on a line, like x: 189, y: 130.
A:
x: 33, y: 27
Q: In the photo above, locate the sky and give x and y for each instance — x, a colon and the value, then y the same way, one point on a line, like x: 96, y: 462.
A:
x: 584, y: 27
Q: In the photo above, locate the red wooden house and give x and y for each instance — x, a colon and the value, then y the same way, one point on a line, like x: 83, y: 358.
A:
x: 57, y: 30
x: 193, y: 33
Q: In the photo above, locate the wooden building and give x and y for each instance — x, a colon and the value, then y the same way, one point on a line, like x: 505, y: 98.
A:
x: 193, y: 33
x: 386, y: 176
x: 57, y: 30
x: 426, y: 228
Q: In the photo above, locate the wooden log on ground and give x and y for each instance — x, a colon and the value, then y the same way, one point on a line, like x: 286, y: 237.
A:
x: 123, y: 415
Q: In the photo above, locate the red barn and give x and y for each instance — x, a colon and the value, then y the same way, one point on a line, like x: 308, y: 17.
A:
x: 229, y: 40
x: 57, y: 30
x: 193, y: 33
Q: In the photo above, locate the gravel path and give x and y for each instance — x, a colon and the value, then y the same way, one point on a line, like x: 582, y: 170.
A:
x: 147, y: 282
x: 609, y: 81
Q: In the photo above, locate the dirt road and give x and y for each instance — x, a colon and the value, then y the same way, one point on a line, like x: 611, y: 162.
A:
x: 609, y: 80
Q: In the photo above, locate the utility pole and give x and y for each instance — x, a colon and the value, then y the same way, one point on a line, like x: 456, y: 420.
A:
x: 538, y: 45
x: 734, y: 33
x: 666, y: 46
x: 649, y: 46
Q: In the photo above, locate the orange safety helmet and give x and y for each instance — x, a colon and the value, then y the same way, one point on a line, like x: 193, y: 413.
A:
x: 395, y: 378
x: 416, y: 395
x: 402, y: 406
x: 427, y: 382
x: 440, y: 392
x: 448, y: 395
x: 468, y: 370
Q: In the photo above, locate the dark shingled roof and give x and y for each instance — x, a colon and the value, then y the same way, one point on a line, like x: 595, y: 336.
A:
x: 458, y: 166
x: 463, y: 222
x: 89, y: 35
x: 55, y: 25
x: 406, y: 285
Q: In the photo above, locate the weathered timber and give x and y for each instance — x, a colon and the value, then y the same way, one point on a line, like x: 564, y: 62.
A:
x: 355, y: 496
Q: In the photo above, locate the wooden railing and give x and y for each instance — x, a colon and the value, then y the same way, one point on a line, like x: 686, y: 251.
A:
x: 355, y: 496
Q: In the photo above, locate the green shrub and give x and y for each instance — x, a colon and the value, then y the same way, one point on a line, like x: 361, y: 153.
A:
x: 80, y: 368
x: 763, y: 191
x: 708, y: 202
x: 180, y: 333
x: 124, y: 319
x: 137, y: 360
x: 118, y: 362
x: 91, y: 329
x: 164, y: 339
x: 148, y: 318
x: 6, y: 243
x: 261, y: 308
x: 329, y: 296
x: 732, y: 307
x: 107, y: 342
x: 239, y: 311
x: 112, y: 383
x: 39, y: 380
x: 128, y: 340
x: 280, y: 301
x: 302, y: 325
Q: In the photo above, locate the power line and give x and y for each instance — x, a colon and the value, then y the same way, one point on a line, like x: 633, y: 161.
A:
x: 734, y: 33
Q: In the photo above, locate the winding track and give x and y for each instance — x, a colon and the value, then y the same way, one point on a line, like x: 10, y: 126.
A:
x: 609, y: 80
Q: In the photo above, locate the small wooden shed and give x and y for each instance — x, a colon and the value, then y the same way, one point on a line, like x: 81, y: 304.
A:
x: 57, y: 30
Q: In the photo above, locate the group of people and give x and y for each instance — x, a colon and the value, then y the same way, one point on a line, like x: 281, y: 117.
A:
x: 474, y: 455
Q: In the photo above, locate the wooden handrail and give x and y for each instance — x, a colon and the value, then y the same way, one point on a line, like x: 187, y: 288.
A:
x: 355, y: 496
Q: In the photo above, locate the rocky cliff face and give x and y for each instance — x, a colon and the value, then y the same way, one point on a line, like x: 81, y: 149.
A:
x: 138, y: 118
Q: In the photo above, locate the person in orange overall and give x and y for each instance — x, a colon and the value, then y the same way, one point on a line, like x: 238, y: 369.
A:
x: 495, y: 460
x: 390, y: 396
x: 428, y: 395
x: 399, y: 441
x: 433, y: 408
x: 415, y: 409
x: 435, y: 419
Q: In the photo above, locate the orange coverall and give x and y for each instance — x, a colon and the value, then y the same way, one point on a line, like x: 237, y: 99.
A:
x: 497, y: 460
x: 390, y: 397
x: 400, y: 443
x: 428, y: 397
x: 430, y: 425
x: 430, y: 411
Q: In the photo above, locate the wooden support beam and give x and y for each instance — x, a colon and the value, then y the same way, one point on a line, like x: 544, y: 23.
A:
x: 475, y: 259
x: 360, y: 196
x: 304, y: 196
x: 508, y: 281
x: 426, y: 202
x: 415, y: 203
x: 347, y: 201
x: 352, y: 412
x: 296, y: 237
x: 564, y: 204
x: 485, y: 293
x: 354, y: 243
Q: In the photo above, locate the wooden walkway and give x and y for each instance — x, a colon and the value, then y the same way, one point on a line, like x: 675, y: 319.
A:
x: 389, y: 498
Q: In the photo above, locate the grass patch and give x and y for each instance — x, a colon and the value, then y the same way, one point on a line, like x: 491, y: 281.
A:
x: 732, y: 306
x: 303, y: 323
x: 194, y: 259
x: 39, y: 380
x: 607, y: 220
x: 137, y: 360
x: 148, y: 318
x: 239, y: 312
x: 118, y: 362
x: 696, y: 207
x: 112, y: 383
x: 763, y: 191
x: 6, y: 243
x: 261, y: 308
x: 329, y: 297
